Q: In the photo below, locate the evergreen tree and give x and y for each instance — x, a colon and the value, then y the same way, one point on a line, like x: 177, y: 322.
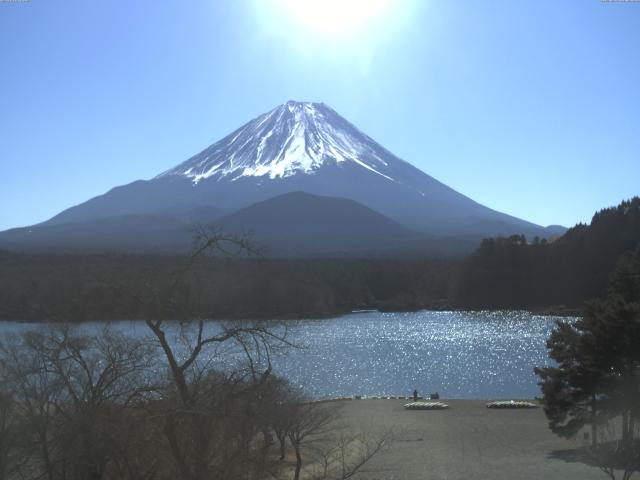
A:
x: 597, y: 376
x: 572, y: 390
x: 511, y: 273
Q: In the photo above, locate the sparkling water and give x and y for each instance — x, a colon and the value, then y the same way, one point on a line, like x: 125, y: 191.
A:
x: 483, y: 355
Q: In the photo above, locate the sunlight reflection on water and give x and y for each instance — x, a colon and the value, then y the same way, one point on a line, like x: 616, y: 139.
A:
x: 458, y: 354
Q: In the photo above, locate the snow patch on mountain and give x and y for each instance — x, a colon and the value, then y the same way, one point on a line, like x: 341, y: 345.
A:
x: 296, y: 137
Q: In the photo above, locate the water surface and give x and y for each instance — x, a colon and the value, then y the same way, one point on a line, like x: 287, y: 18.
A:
x: 457, y: 354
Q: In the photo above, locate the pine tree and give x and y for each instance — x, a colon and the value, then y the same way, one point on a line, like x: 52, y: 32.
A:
x: 572, y: 390
x: 597, y: 376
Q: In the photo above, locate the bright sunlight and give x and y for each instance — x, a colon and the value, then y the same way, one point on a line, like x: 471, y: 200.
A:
x: 334, y: 27
x: 336, y: 17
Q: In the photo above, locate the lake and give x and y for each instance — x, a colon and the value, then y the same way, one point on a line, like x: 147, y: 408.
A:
x: 467, y: 355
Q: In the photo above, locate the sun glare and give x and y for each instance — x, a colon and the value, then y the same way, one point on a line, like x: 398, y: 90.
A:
x: 353, y: 30
x: 335, y: 17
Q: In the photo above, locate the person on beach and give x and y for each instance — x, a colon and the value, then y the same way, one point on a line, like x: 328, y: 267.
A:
x: 415, y: 395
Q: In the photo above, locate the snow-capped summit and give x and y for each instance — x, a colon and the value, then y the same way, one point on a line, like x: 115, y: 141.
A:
x: 301, y: 147
x: 295, y: 137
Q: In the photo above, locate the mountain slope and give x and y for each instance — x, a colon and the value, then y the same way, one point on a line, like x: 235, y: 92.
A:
x: 297, y: 222
x: 305, y: 147
x: 170, y: 231
x: 296, y: 147
x: 130, y: 233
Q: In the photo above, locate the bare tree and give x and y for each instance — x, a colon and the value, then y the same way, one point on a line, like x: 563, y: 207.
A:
x: 350, y: 452
x: 11, y: 460
x: 34, y: 392
x: 205, y: 401
x: 191, y: 400
x: 310, y: 423
x: 74, y: 399
x: 329, y: 448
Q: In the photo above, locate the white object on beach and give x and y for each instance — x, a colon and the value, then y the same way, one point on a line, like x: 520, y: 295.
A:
x: 426, y: 406
x: 511, y: 404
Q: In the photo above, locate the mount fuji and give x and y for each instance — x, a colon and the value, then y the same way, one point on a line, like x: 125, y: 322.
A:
x: 296, y: 147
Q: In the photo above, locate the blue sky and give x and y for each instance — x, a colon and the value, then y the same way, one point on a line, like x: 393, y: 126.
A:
x: 529, y: 107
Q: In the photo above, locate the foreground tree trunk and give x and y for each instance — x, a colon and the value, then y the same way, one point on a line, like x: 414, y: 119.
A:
x: 296, y: 475
x: 282, y: 448
x: 594, y: 428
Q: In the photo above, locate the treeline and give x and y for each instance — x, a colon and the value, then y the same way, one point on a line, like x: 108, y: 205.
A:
x: 503, y: 273
x: 515, y: 273
x: 103, y: 287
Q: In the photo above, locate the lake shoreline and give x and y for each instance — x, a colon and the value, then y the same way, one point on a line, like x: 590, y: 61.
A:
x: 555, y: 311
x: 458, y: 354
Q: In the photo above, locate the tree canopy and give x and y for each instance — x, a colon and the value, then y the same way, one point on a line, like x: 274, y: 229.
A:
x: 515, y: 272
x: 597, y: 374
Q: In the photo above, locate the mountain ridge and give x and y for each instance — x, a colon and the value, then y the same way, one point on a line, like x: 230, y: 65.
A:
x: 311, y: 141
x: 302, y: 147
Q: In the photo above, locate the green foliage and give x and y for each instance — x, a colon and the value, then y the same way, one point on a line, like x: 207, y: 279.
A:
x: 513, y: 273
x: 597, y: 376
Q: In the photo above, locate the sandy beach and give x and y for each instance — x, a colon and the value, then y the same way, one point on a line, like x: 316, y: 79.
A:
x: 467, y: 441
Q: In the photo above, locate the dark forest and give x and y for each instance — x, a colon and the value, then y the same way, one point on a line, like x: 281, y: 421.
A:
x: 503, y: 273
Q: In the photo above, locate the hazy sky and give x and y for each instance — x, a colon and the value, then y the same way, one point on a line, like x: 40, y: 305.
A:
x: 529, y: 107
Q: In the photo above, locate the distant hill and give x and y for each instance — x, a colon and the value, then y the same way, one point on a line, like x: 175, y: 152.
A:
x: 170, y: 231
x: 297, y: 222
x: 296, y: 147
x: 515, y: 273
x: 504, y: 272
